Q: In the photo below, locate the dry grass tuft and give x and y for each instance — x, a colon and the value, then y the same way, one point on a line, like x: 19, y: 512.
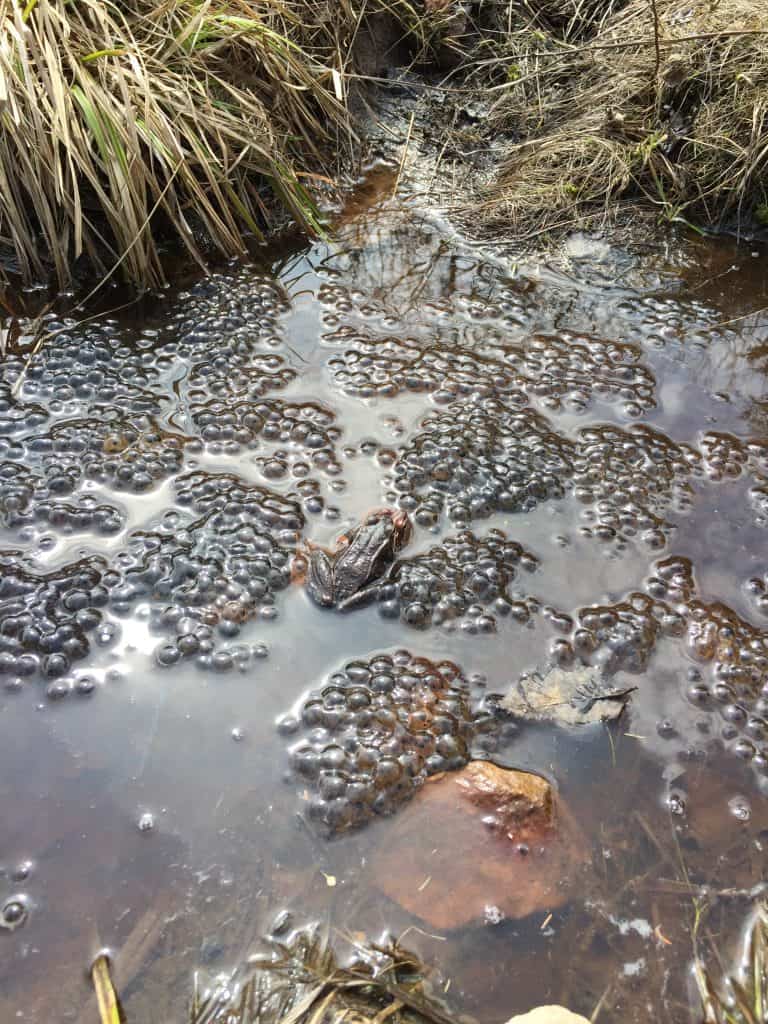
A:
x: 301, y: 982
x: 121, y: 118
x: 665, y: 101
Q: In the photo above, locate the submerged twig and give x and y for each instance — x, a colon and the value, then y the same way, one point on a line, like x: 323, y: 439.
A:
x: 303, y: 983
x: 743, y: 998
x: 404, y: 157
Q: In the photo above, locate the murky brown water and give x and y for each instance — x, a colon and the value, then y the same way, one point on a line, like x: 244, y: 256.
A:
x: 605, y: 411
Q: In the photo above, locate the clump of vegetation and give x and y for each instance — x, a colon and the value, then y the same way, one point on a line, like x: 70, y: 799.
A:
x: 662, y: 100
x: 123, y: 123
x: 302, y: 982
x: 742, y: 999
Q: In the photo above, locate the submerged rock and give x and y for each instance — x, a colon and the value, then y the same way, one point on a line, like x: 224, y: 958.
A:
x: 580, y: 696
x: 481, y: 845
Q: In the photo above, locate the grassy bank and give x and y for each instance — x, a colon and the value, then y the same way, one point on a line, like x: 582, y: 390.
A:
x: 124, y: 123
x: 131, y: 124
x: 658, y: 101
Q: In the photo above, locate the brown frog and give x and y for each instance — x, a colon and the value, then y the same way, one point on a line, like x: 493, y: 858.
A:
x: 353, y: 572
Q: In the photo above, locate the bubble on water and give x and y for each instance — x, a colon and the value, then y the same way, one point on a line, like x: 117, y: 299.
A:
x: 146, y: 822
x: 492, y: 915
x: 13, y: 913
x: 22, y: 871
x: 740, y: 808
x: 238, y: 734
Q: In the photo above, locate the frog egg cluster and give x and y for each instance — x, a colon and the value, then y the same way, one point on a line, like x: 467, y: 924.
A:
x: 305, y: 431
x: 27, y: 501
x: 340, y: 301
x: 243, y: 377
x: 573, y: 371
x: 507, y: 306
x: 483, y: 457
x: 47, y: 619
x: 125, y: 458
x: 374, y: 731
x: 477, y: 458
x: 231, y: 313
x: 56, y: 464
x: 84, y: 363
x: 624, y: 635
x: 727, y: 456
x: 83, y: 411
x: 17, y: 417
x: 729, y: 671
x: 464, y: 580
x: 631, y: 482
x: 385, y: 367
x: 559, y: 371
x: 211, y: 570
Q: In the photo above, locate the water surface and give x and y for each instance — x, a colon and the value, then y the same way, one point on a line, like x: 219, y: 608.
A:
x: 605, y: 408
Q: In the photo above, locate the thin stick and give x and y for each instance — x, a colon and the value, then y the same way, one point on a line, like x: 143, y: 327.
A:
x: 594, y: 47
x: 404, y: 156
x: 656, y: 34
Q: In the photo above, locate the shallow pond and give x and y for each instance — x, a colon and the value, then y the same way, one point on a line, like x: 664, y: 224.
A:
x: 582, y: 446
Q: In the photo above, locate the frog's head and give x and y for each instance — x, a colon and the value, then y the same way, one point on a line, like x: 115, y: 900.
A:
x: 392, y: 524
x: 402, y: 528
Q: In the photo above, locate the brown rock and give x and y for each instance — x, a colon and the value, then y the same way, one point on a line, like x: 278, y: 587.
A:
x: 481, y: 844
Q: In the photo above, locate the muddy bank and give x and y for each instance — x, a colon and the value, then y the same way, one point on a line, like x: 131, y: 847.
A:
x: 558, y: 116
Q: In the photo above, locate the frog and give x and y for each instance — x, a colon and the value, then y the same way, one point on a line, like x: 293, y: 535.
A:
x: 360, y: 562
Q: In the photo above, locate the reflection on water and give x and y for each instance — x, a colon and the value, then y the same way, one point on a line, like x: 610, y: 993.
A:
x: 581, y: 446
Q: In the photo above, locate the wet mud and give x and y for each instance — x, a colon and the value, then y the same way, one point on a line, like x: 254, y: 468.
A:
x: 192, y: 746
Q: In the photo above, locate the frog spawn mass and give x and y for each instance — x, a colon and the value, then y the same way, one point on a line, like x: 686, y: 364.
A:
x: 482, y: 456
x: 81, y: 421
x: 559, y: 371
x: 83, y: 408
x: 466, y: 580
x: 374, y: 731
x: 304, y: 433
x: 209, y: 569
x: 48, y: 620
x: 728, y: 673
x: 80, y: 364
